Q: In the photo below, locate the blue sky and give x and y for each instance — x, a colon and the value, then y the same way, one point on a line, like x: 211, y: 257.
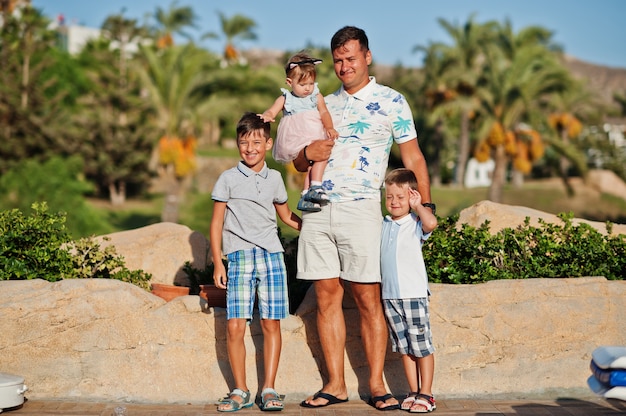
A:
x: 593, y: 31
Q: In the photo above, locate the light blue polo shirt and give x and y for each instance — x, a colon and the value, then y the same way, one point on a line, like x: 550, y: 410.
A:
x: 402, y: 263
x: 250, y: 218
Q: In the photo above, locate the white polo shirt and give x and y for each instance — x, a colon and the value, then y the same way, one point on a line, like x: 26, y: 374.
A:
x: 368, y: 123
x: 402, y: 263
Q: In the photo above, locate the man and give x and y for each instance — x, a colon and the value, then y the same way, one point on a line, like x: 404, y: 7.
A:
x: 341, y: 243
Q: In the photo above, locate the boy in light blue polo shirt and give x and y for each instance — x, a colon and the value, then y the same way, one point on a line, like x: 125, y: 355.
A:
x: 405, y: 285
x: 246, y: 200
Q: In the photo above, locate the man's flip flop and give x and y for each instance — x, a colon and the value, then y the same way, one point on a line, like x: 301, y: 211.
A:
x: 377, y: 399
x: 329, y: 397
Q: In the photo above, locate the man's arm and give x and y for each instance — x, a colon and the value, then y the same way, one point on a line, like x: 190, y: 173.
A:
x: 413, y: 158
x: 316, y: 151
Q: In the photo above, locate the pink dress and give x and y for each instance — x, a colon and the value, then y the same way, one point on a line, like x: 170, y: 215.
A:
x: 300, y: 125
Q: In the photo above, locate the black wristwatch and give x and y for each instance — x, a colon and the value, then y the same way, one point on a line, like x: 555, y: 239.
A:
x: 310, y: 162
x: 430, y: 205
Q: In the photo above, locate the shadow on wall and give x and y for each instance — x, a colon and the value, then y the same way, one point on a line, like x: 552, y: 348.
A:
x: 200, y: 259
x: 354, y: 348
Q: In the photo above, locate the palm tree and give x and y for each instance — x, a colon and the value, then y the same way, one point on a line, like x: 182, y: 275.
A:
x: 173, y: 21
x: 514, y: 83
x: 122, y: 32
x: 172, y: 78
x: 565, y: 104
x: 30, y: 92
x: 113, y: 119
x: 568, y: 108
x: 235, y: 28
x: 434, y: 94
x: 30, y: 25
x: 463, y: 76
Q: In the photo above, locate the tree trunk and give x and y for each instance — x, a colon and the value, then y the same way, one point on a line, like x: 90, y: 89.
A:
x: 170, y: 208
x: 25, y: 80
x: 564, y: 165
x: 436, y: 165
x: 463, y: 149
x: 171, y: 204
x: 117, y: 195
x: 499, y: 176
x: 517, y: 178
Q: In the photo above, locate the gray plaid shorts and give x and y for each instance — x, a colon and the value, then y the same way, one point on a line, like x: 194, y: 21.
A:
x: 408, y: 321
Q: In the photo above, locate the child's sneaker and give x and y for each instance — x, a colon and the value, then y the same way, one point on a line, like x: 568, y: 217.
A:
x: 308, y: 206
x: 316, y: 194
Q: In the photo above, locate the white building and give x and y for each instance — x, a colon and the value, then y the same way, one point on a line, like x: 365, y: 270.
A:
x: 478, y: 174
x: 74, y: 37
x: 615, y: 133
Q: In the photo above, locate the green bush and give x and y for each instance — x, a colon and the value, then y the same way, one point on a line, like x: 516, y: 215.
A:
x: 40, y: 247
x: 31, y: 247
x: 89, y: 260
x: 473, y: 255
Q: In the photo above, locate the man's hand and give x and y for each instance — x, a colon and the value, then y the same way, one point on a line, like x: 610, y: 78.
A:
x: 317, y: 151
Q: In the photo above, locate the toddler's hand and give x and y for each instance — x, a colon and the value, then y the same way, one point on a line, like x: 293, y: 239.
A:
x: 266, y: 118
x: 332, y: 134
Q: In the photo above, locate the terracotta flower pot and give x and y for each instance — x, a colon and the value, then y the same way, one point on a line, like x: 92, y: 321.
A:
x: 168, y: 292
x: 213, y: 295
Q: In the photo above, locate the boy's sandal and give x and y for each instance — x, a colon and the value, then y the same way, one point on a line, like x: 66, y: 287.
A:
x: 271, y: 401
x: 409, y: 400
x: 423, y: 404
x: 234, y: 404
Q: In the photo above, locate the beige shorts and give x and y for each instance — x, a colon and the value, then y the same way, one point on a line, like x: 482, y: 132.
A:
x: 342, y: 240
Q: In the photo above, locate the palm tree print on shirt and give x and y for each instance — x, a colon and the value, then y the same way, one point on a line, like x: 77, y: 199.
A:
x: 402, y: 125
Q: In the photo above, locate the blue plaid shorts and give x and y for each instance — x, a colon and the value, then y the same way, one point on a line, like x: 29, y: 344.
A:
x: 408, y: 321
x: 256, y: 273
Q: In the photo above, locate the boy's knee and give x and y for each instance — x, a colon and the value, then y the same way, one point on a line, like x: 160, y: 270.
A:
x: 270, y: 325
x: 236, y: 327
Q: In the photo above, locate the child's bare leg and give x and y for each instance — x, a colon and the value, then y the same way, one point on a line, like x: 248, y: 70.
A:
x: 426, y: 367
x: 307, y: 180
x: 411, y: 371
x: 236, y: 329
x: 306, y: 203
x: 410, y: 364
x: 316, y: 172
x: 316, y: 193
x: 272, y: 345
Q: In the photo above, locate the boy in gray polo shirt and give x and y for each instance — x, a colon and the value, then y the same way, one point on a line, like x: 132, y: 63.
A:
x: 246, y: 200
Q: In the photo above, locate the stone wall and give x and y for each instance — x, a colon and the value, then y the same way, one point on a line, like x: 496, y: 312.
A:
x: 100, y: 339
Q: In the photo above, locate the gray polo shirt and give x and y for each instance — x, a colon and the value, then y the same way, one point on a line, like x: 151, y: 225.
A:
x: 250, y: 219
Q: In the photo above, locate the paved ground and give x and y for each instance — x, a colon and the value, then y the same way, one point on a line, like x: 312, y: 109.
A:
x: 560, y: 407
